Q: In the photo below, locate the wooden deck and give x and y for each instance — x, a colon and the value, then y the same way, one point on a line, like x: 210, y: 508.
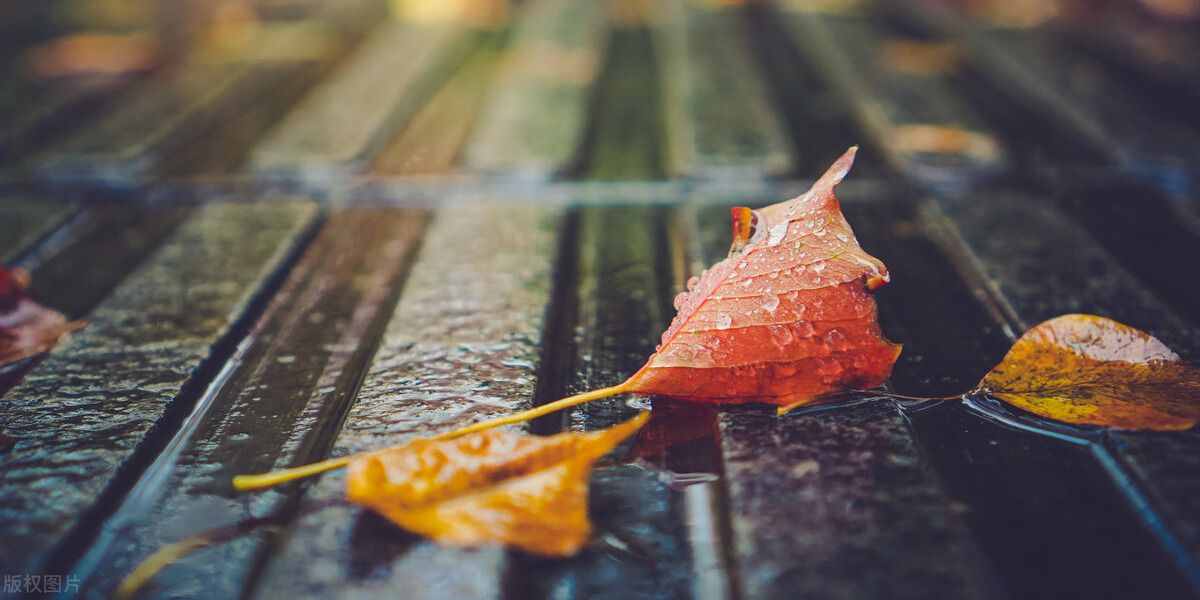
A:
x: 310, y: 249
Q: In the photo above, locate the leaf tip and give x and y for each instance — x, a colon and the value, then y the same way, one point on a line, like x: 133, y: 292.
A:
x: 838, y: 170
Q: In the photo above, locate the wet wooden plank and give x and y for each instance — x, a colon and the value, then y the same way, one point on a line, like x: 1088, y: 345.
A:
x: 345, y: 122
x: 40, y: 111
x: 279, y: 408
x: 463, y: 344
x: 194, y: 118
x: 88, y: 240
x: 533, y: 124
x: 1159, y: 52
x: 89, y: 416
x: 1012, y: 483
x: 432, y: 140
x: 902, y: 92
x: 24, y: 221
x: 864, y: 513
x: 621, y: 285
x: 720, y: 123
x: 1036, y: 265
x: 1141, y: 225
x: 626, y: 129
x: 1039, y: 265
x: 125, y: 142
x: 863, y: 516
x: 818, y: 133
x: 1070, y: 92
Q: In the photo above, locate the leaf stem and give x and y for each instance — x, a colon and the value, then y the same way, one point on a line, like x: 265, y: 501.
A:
x: 905, y: 397
x: 785, y: 409
x: 260, y: 481
x: 539, y: 411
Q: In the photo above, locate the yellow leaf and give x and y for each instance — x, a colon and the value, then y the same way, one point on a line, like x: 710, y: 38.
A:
x: 1091, y: 370
x: 493, y: 486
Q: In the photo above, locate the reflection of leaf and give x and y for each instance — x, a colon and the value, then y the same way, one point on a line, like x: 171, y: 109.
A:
x: 786, y: 318
x: 494, y: 486
x: 26, y: 327
x: 1091, y: 370
x: 672, y: 426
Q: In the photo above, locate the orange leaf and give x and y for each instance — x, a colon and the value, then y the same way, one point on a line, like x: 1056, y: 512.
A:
x: 26, y: 327
x: 785, y: 318
x: 493, y: 486
x: 1091, y: 370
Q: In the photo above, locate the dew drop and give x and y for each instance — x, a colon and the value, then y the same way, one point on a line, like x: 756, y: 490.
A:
x: 781, y: 335
x: 819, y: 233
x: 724, y: 320
x: 843, y: 238
x: 771, y: 303
x: 777, y: 233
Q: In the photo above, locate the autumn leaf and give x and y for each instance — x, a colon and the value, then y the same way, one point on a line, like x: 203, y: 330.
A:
x: 1090, y: 370
x: 494, y: 486
x: 26, y: 327
x: 786, y: 318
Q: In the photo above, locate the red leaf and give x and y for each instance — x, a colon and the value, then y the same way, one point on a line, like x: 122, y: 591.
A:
x: 787, y: 317
x: 26, y: 327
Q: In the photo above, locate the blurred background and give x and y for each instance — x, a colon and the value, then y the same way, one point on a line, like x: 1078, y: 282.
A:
x: 122, y: 92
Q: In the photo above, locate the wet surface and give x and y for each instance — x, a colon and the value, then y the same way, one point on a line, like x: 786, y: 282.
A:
x: 346, y: 120
x: 640, y: 548
x: 843, y: 494
x: 23, y: 222
x: 1094, y: 104
x: 81, y: 416
x: 623, y: 136
x: 88, y: 239
x: 431, y: 141
x: 510, y: 303
x: 294, y: 381
x: 531, y: 126
x: 828, y: 473
x: 899, y: 89
x: 718, y: 115
x: 1042, y: 265
x: 461, y: 346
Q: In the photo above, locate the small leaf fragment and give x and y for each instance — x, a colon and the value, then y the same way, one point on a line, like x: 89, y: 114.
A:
x: 1089, y: 370
x: 494, y: 486
x: 26, y: 327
